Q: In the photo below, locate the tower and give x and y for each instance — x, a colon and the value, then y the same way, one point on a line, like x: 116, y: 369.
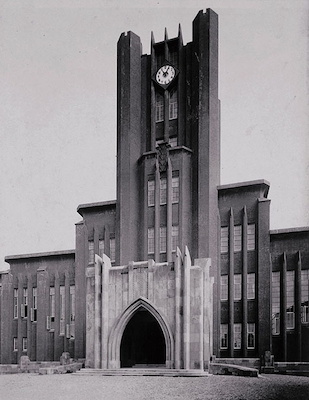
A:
x: 168, y: 146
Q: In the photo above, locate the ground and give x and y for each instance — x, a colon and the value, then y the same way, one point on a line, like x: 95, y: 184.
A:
x: 75, y: 387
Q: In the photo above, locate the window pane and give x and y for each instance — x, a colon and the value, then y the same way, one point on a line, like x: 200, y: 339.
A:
x: 237, y: 238
x: 237, y: 336
x: 223, y: 336
x: 251, y: 237
x: 163, y: 239
x: 224, y: 239
x: 237, y: 287
x: 175, y: 234
x: 112, y: 249
x: 173, y: 105
x: 290, y: 304
x: 159, y: 108
x: 163, y: 191
x: 304, y: 295
x: 276, y: 303
x: 251, y: 286
x: 251, y: 336
x: 224, y: 287
x: 150, y: 240
x: 151, y: 192
x: 175, y: 189
x: 91, y: 251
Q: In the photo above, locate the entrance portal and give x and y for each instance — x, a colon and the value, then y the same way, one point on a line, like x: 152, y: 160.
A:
x: 142, y: 341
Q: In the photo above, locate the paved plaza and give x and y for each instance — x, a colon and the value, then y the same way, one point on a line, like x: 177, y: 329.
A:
x: 75, y: 387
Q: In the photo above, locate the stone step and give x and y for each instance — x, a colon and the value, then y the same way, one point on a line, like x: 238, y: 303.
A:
x: 142, y: 372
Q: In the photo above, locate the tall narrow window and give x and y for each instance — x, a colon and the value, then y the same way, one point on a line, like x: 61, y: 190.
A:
x: 224, y: 239
x: 25, y: 344
x: 175, y: 189
x: 163, y: 239
x: 237, y: 238
x: 34, y: 304
x: 173, y: 141
x: 251, y: 286
x: 276, y: 303
x: 251, y: 336
x: 24, y: 310
x: 72, y: 312
x: 224, y: 287
x: 237, y: 336
x: 290, y: 302
x: 151, y: 192
x: 15, y: 344
x: 237, y: 287
x: 251, y: 237
x: 112, y: 249
x: 173, y: 105
x: 62, y: 311
x: 304, y: 296
x: 91, y: 251
x: 223, y: 336
x: 101, y: 247
x: 150, y: 240
x: 15, y: 304
x: 175, y: 235
x: 52, y: 307
x: 163, y: 191
x: 159, y: 108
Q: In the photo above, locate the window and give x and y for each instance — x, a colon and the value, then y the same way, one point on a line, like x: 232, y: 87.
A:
x: 224, y: 287
x: 163, y: 239
x: 150, y: 240
x: 24, y: 306
x: 237, y: 238
x: 151, y: 192
x: 112, y: 249
x: 62, y: 311
x: 15, y: 312
x: 72, y: 312
x: 15, y: 344
x: 223, y: 336
x: 251, y: 237
x: 224, y: 240
x: 251, y: 286
x: 276, y: 303
x: 175, y: 189
x: 237, y: 336
x: 163, y: 191
x: 159, y: 108
x: 304, y: 296
x: 91, y: 251
x: 52, y: 307
x: 101, y: 247
x: 25, y: 344
x: 251, y: 336
x: 290, y: 305
x: 237, y: 287
x: 172, y: 141
x: 173, y: 105
x: 175, y: 234
x: 34, y: 304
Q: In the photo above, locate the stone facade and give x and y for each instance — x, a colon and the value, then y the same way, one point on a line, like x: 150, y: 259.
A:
x: 129, y: 295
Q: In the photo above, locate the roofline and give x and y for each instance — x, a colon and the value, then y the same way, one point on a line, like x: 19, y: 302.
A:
x: 258, y: 182
x: 289, y: 230
x: 98, y: 204
x: 40, y: 255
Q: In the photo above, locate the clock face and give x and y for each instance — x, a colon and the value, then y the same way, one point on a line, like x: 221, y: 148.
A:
x: 165, y: 74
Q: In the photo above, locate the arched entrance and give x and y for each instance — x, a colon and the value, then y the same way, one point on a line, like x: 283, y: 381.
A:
x: 142, y: 342
x: 117, y: 332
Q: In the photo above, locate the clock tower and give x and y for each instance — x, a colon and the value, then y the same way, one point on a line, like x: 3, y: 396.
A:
x: 168, y: 148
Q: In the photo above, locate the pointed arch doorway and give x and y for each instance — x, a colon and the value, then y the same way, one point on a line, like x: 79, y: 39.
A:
x: 142, y: 343
x: 143, y: 318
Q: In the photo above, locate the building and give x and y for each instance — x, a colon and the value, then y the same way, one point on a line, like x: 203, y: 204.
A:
x: 179, y: 267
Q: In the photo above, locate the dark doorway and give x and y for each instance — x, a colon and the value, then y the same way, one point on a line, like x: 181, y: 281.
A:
x: 142, y: 343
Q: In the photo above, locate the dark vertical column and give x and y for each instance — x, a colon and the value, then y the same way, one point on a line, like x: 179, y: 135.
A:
x: 181, y: 85
x: 283, y: 309
x: 153, y: 98
x: 42, y: 313
x: 231, y: 284
x: 19, y: 321
x: 6, y: 315
x: 128, y: 147
x: 205, y: 135
x: 298, y: 306
x: 244, y: 283
x: 29, y: 323
x: 169, y: 211
x: 263, y: 277
x: 81, y: 261
x: 157, y: 213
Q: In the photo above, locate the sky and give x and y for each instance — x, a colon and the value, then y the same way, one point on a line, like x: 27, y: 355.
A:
x: 58, y: 106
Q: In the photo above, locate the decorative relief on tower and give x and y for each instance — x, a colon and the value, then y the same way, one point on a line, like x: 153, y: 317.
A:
x: 162, y: 151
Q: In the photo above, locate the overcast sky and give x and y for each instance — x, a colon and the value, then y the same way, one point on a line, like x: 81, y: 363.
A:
x: 58, y: 106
